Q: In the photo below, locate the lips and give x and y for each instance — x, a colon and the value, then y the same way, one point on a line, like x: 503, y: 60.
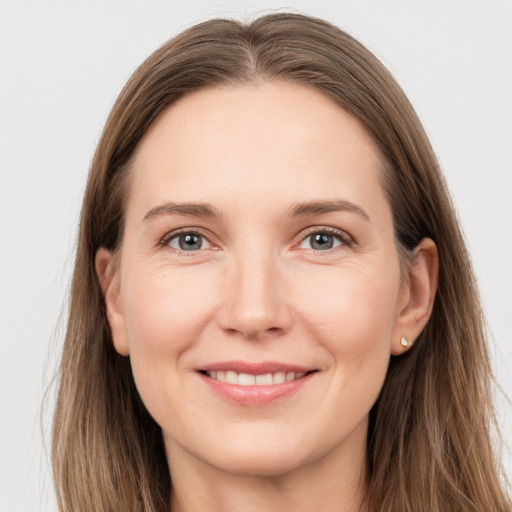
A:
x: 254, y: 383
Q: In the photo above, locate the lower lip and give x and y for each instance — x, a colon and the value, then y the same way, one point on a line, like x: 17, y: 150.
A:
x: 255, y: 395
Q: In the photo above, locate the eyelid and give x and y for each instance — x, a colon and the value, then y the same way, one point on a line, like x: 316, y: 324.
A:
x: 343, y: 236
x: 164, y: 241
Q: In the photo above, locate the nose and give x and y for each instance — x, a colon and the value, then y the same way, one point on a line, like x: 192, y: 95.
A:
x: 255, y: 303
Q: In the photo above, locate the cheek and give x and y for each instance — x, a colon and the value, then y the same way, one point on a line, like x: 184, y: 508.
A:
x: 165, y: 310
x: 352, y: 314
x: 353, y: 319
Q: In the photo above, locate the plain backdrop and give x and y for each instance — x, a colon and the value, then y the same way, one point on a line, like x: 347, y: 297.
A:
x: 62, y: 64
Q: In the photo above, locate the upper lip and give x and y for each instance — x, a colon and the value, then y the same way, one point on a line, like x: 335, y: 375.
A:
x: 254, y: 368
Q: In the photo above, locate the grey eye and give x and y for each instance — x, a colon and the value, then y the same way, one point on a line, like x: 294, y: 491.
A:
x: 321, y: 241
x: 188, y: 242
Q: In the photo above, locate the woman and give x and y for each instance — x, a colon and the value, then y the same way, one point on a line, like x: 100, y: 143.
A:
x: 272, y: 304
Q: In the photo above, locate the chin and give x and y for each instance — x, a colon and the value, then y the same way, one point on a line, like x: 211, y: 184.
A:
x: 269, y: 457
x: 260, y: 464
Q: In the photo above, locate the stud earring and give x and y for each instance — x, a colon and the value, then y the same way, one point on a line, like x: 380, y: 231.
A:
x: 404, y: 342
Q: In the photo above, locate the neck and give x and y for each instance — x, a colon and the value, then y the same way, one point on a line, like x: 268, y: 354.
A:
x: 333, y: 482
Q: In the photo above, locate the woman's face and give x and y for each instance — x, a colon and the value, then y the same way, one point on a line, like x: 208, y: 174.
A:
x: 258, y: 291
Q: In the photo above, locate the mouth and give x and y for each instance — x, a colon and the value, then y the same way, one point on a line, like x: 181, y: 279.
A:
x: 257, y: 384
x: 248, y: 379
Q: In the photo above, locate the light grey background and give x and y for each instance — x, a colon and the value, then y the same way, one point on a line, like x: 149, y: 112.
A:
x: 62, y: 63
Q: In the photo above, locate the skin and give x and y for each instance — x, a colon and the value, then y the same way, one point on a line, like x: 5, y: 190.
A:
x: 259, y: 290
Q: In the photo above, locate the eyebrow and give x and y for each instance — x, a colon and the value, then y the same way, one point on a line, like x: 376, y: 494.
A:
x: 187, y: 209
x: 320, y: 207
x: 296, y: 210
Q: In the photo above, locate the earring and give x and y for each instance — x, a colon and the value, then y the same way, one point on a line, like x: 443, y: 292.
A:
x: 404, y: 342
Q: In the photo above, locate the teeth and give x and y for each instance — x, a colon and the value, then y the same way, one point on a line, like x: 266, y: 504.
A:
x: 245, y: 379
x: 231, y: 377
x: 264, y: 380
x: 279, y: 378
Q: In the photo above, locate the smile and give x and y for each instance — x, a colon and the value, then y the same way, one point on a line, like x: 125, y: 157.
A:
x: 255, y: 384
x: 247, y: 379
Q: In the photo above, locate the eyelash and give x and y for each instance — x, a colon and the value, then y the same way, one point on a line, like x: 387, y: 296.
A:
x: 341, y: 236
x: 175, y: 234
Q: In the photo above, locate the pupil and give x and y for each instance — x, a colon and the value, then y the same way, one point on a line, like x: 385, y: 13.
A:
x: 188, y: 242
x: 322, y: 241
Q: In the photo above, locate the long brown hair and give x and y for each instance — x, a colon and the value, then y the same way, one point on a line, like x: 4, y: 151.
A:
x: 428, y: 445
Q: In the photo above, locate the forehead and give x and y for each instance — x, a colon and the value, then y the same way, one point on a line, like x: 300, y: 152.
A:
x: 262, y: 140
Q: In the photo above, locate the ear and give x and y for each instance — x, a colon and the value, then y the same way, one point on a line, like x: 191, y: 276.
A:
x: 108, y: 276
x: 417, y: 296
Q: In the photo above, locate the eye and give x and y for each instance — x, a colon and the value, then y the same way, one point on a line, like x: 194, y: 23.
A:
x: 187, y: 241
x: 323, y: 240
